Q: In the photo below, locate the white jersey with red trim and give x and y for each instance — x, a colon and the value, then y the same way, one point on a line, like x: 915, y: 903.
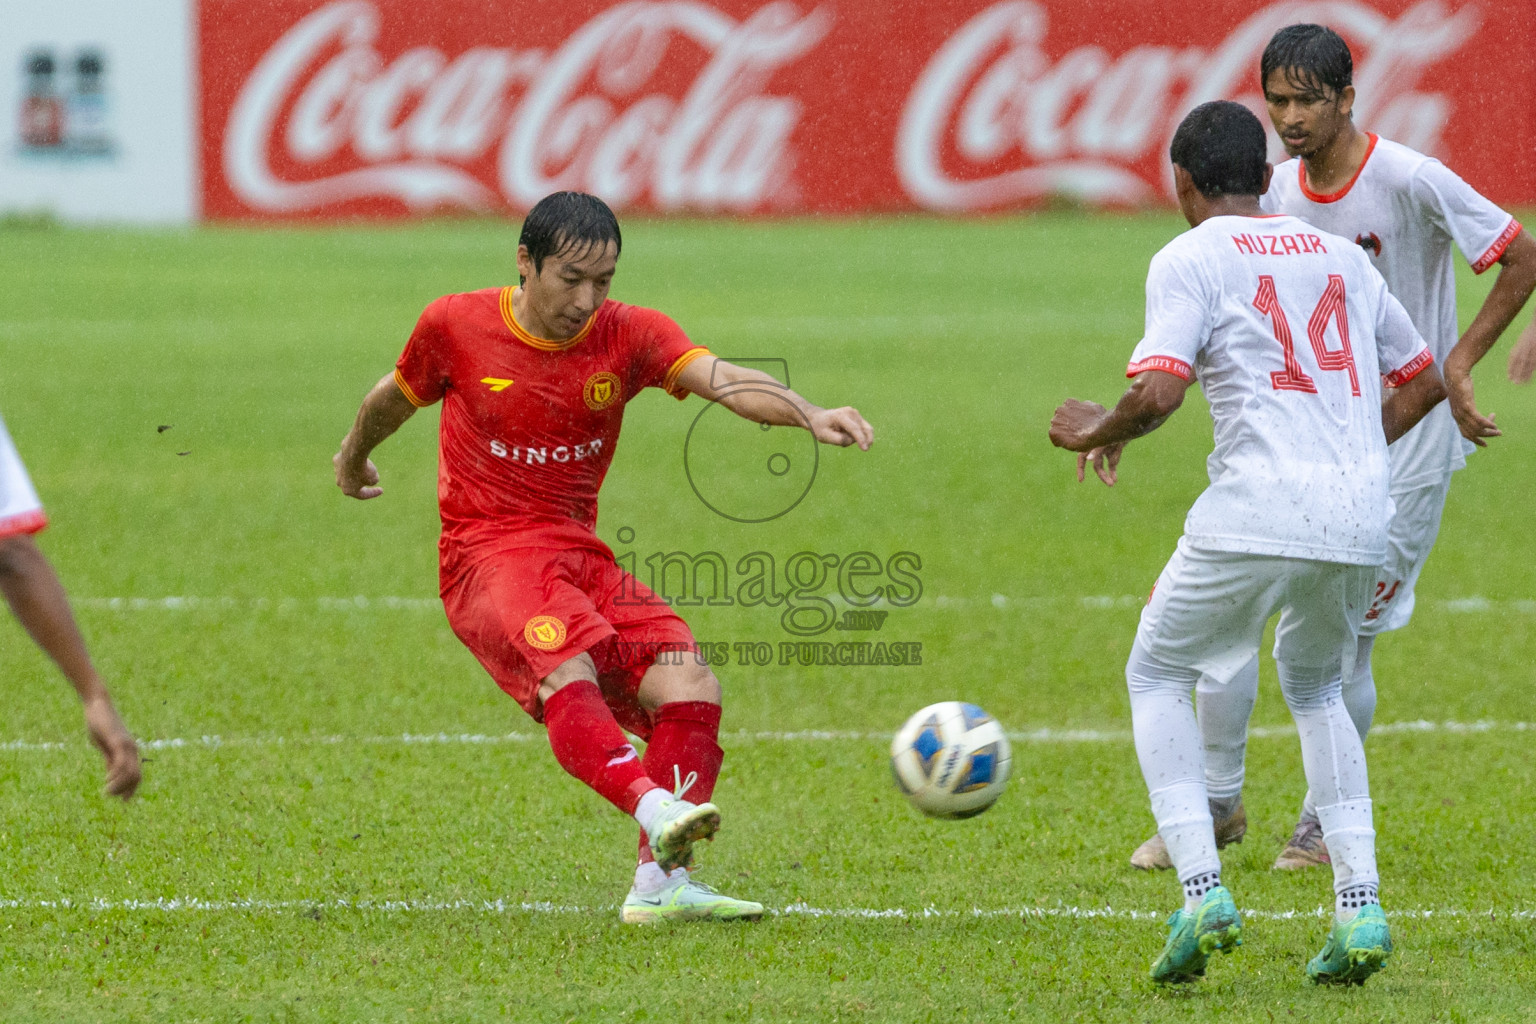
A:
x: 20, y: 511
x: 1406, y: 210
x: 1290, y: 332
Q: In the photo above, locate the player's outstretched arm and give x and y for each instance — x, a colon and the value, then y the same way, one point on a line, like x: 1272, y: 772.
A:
x: 1522, y: 358
x: 382, y: 413
x: 1517, y: 279
x: 754, y: 395
x: 1101, y: 434
x: 1404, y: 406
x: 37, y: 597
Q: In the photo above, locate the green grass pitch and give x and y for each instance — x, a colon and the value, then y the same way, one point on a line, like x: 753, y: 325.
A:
x: 293, y: 857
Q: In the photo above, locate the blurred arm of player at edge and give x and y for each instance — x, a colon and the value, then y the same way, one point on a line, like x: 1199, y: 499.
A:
x: 770, y: 402
x: 1522, y: 358
x: 37, y: 597
x: 1100, y: 435
x: 1517, y: 279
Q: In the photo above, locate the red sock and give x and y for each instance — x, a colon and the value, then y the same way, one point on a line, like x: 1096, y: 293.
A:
x: 589, y: 744
x: 685, y: 738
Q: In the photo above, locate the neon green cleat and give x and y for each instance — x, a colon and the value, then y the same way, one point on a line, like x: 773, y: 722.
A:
x: 678, y: 825
x: 1192, y: 938
x: 683, y: 899
x: 1355, y: 950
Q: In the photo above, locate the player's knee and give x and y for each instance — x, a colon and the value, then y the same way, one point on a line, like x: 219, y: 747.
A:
x: 578, y: 669
x: 670, y: 683
x: 1145, y: 674
x: 699, y: 683
x: 1306, y: 688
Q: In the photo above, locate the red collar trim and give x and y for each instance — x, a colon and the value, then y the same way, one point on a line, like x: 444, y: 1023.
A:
x: 1317, y: 197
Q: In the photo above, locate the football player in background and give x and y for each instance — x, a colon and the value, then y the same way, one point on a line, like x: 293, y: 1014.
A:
x: 1406, y: 211
x: 1295, y: 520
x: 38, y: 600
x: 533, y: 381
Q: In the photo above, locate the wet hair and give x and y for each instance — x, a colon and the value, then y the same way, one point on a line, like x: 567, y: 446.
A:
x: 566, y: 220
x: 1309, y: 55
x: 1222, y: 146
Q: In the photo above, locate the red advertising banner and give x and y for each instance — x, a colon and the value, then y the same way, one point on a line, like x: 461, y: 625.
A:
x: 337, y: 108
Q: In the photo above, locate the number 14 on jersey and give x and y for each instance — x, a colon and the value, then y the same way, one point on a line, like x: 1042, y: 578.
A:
x: 1329, y: 308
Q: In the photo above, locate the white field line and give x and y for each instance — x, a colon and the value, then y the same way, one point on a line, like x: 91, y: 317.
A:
x: 800, y: 736
x: 501, y: 906
x: 1473, y: 605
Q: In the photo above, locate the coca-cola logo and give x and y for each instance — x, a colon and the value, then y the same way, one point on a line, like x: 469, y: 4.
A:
x: 994, y: 121
x: 424, y: 126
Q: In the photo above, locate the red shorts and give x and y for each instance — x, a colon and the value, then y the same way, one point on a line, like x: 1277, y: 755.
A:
x: 525, y: 611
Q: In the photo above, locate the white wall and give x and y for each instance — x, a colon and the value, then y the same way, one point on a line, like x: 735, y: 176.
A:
x: 149, y: 173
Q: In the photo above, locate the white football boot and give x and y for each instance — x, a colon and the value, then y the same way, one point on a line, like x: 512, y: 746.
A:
x: 684, y: 899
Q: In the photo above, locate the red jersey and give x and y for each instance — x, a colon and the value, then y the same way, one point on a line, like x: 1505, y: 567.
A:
x: 529, y: 426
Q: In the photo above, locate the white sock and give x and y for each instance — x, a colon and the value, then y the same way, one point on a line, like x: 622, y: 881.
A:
x: 649, y: 877
x: 1352, y: 849
x: 1359, y: 689
x: 1168, y: 747
x: 1348, y: 902
x: 645, y: 810
x: 1223, y: 710
x: 1184, y: 821
x: 1196, y: 886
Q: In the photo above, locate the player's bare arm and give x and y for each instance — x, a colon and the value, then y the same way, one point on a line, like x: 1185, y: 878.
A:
x: 1517, y: 279
x: 381, y: 414
x: 756, y: 396
x: 1100, y: 435
x: 1403, y: 407
x: 37, y: 597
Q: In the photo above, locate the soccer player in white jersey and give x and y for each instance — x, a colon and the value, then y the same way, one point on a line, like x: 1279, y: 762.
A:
x: 1405, y: 211
x: 1292, y: 334
x: 38, y: 600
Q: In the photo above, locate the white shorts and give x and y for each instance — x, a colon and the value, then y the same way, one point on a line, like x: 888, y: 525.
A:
x: 1410, y: 538
x: 1208, y: 610
x: 20, y: 511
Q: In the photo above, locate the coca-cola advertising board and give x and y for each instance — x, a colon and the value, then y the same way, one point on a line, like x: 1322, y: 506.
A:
x: 338, y: 108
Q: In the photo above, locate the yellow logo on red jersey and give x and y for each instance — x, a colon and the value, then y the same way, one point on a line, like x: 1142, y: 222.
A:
x: 602, y: 390
x: 496, y: 383
x: 545, y: 632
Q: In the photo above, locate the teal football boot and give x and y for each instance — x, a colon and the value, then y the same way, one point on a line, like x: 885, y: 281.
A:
x: 1193, y: 937
x: 1355, y: 949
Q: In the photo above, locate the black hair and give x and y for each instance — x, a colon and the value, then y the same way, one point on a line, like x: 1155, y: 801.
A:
x: 562, y: 220
x: 1222, y: 146
x: 1308, y: 54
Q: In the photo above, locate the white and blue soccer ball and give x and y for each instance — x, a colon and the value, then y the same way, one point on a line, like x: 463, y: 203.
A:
x: 951, y: 760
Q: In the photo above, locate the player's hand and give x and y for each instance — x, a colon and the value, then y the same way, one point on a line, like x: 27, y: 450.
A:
x: 355, y: 481
x: 117, y: 746
x: 1104, y: 459
x: 1474, y: 426
x: 1522, y: 358
x: 842, y: 427
x: 1073, y: 422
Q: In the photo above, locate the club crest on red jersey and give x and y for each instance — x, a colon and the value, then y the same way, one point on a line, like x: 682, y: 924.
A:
x: 602, y: 390
x: 1370, y: 243
x: 545, y: 632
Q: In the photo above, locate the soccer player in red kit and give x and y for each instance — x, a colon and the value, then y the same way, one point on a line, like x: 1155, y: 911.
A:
x: 533, y: 381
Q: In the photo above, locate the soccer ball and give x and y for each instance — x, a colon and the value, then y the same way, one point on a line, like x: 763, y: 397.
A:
x: 951, y: 760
